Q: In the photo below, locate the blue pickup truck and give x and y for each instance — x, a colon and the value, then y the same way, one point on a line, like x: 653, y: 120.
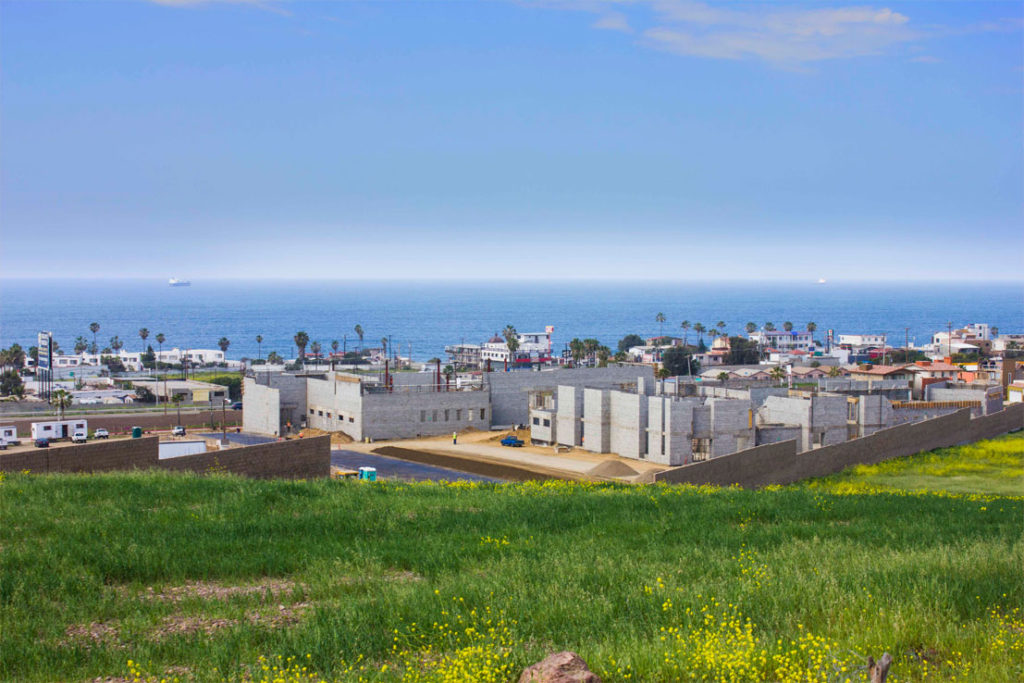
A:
x: 512, y: 441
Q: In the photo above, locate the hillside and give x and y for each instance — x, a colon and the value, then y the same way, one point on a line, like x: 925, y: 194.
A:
x: 197, y: 578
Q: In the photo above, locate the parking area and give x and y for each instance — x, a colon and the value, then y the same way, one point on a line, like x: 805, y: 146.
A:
x: 392, y: 468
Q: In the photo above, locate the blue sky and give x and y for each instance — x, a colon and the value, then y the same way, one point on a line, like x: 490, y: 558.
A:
x: 547, y: 139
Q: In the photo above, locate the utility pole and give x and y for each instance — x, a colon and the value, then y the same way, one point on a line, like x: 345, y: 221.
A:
x: 906, y: 344
x: 949, y: 339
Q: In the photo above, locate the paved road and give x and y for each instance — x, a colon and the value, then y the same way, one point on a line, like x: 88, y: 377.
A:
x: 392, y: 468
x: 242, y: 438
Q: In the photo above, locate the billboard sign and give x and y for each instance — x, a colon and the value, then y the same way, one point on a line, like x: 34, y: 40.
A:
x: 45, y: 346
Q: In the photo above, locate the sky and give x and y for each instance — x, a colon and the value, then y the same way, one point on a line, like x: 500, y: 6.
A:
x: 537, y: 139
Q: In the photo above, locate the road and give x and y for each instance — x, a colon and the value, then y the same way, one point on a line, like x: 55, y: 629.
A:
x: 392, y: 468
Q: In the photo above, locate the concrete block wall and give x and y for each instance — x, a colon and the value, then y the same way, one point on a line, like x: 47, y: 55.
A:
x: 670, y: 430
x: 781, y: 463
x: 121, y: 424
x: 510, y: 390
x: 291, y: 395
x: 732, y: 426
x: 874, y: 412
x: 569, y: 428
x: 428, y: 413
x: 336, y: 405
x: 597, y: 420
x: 628, y: 424
x: 657, y: 446
x: 98, y: 456
x: 829, y: 416
x: 543, y: 426
x: 295, y: 459
x: 262, y: 408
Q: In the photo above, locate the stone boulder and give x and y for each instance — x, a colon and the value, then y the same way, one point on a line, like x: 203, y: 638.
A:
x: 561, y: 667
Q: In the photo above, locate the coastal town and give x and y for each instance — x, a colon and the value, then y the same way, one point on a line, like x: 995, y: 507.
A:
x: 663, y: 400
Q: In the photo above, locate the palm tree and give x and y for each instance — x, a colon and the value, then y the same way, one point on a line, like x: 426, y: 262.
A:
x: 384, y: 346
x: 721, y: 325
x: 80, y: 344
x: 994, y: 331
x: 116, y: 344
x: 259, y: 346
x: 663, y: 373
x: 315, y: 348
x: 301, y: 339
x: 334, y: 345
x: 777, y: 373
x: 700, y: 329
x: 603, y: 353
x: 723, y: 377
x: 769, y: 326
x: 359, y: 333
x: 811, y: 327
x: 224, y: 343
x: 160, y: 338
x: 686, y: 330
x: 590, y: 347
x: 176, y: 400
x: 660, y: 319
x: 751, y: 328
x: 577, y: 348
x: 787, y: 326
x: 834, y: 371
x: 273, y: 358
x: 94, y: 328
x: 61, y: 400
x: 144, y: 335
x: 511, y: 341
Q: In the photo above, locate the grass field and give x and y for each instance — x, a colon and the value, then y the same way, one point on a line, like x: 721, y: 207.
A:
x: 161, y: 575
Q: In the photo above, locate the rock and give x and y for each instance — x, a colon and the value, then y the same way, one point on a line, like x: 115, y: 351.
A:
x: 561, y: 667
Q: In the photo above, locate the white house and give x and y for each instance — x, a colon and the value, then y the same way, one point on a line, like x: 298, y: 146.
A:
x: 862, y: 341
x: 534, y: 347
x: 782, y: 340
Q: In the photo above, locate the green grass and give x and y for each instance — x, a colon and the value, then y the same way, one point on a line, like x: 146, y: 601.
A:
x: 646, y: 583
x: 993, y: 467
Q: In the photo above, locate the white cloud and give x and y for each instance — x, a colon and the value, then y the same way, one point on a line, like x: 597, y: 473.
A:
x: 613, y: 21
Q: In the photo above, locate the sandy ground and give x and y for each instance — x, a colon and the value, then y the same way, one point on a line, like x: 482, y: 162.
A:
x: 486, y: 445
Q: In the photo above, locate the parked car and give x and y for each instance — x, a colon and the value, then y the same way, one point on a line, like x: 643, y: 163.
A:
x: 101, y: 433
x: 178, y: 431
x: 42, y: 443
x: 512, y: 441
x: 237, y: 405
x: 79, y: 437
x: 3, y: 445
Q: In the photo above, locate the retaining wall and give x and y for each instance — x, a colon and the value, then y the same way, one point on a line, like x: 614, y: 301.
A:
x: 780, y: 463
x: 299, y: 458
x: 122, y: 424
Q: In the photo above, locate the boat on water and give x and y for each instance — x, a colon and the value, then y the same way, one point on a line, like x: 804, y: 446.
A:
x: 821, y: 280
x: 175, y: 282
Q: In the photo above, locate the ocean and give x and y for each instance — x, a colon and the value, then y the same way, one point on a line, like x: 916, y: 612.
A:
x: 425, y: 316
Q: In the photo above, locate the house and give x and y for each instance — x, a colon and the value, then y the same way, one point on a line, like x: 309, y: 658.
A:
x: 782, y: 340
x: 861, y: 341
x: 464, y: 356
x: 868, y: 371
x: 534, y: 348
x: 192, y: 391
x: 931, y: 372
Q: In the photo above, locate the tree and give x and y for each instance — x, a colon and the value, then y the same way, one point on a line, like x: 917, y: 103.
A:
x: 144, y: 394
x: 721, y: 325
x: 685, y: 325
x: 811, y: 327
x: 359, y: 333
x: 144, y: 335
x: 660, y: 319
x: 160, y: 339
x: 176, y: 400
x: 15, y: 357
x: 301, y: 339
x: 315, y: 348
x: 663, y: 373
x: 834, y: 371
x: 723, y: 377
x: 94, y: 328
x: 61, y: 400
x: 995, y: 331
x: 590, y: 347
x: 742, y: 351
x: 629, y: 341
x: 769, y: 326
x: 148, y: 358
x: 699, y: 329
x: 116, y: 343
x: 334, y: 345
x: 274, y: 359
x: 113, y: 363
x: 11, y: 384
x: 449, y: 372
x: 577, y: 349
x: 259, y: 346
x: 787, y: 326
x: 777, y: 373
x: 81, y: 344
x: 620, y: 357
x: 511, y: 341
x: 603, y: 353
x: 224, y: 343
x: 679, y: 361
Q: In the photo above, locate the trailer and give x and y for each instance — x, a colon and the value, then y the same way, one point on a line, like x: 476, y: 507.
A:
x: 58, y: 429
x: 9, y: 436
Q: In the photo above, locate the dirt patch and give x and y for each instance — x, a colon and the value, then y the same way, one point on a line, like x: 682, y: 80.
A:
x: 612, y: 468
x: 474, y: 465
x: 203, y: 590
x: 95, y: 633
